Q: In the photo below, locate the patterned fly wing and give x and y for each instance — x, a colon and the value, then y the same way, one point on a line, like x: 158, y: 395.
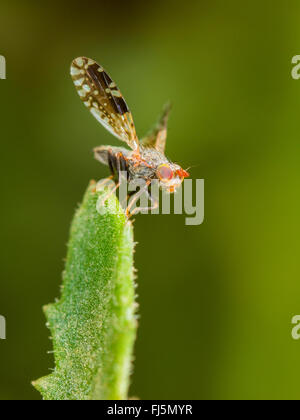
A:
x: 104, y: 100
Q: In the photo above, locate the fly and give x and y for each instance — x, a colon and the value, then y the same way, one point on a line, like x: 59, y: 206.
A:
x: 146, y: 158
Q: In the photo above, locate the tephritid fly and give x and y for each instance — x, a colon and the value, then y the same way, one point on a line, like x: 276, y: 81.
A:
x: 146, y: 159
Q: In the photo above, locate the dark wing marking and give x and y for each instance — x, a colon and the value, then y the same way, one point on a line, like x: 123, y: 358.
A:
x: 104, y: 100
x: 158, y: 136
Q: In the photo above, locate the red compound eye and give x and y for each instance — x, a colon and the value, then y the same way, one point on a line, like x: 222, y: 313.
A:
x: 165, y: 173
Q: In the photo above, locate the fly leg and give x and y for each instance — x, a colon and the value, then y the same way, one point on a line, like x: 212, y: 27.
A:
x: 141, y: 209
x: 121, y: 167
x: 135, y: 199
x: 116, y: 160
x: 115, y: 166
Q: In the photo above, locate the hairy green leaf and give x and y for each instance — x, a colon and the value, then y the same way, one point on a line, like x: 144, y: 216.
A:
x: 93, y: 325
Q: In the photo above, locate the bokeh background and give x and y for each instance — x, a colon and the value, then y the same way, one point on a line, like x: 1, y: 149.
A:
x: 216, y: 300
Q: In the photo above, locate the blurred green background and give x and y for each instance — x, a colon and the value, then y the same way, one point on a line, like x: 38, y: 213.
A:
x: 216, y: 300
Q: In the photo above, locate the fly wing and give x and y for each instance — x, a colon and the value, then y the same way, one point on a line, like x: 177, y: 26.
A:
x: 104, y: 100
x: 158, y: 136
